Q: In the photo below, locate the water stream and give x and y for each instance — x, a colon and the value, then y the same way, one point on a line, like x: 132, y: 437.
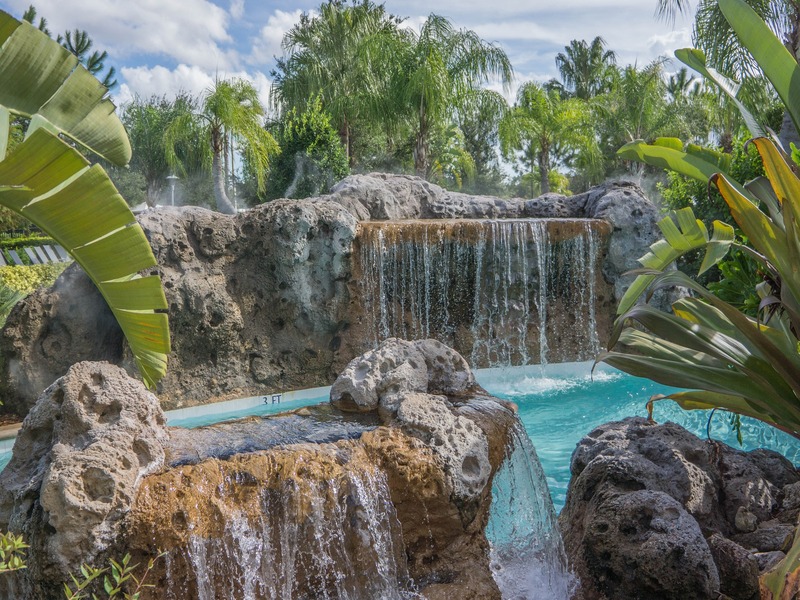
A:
x: 502, y: 292
x: 527, y: 554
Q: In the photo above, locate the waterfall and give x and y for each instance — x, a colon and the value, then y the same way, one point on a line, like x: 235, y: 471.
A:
x: 527, y: 554
x: 502, y: 292
x: 336, y: 539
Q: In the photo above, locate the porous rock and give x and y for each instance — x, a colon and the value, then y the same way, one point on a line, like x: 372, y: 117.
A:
x: 738, y: 569
x: 461, y: 445
x: 408, y: 384
x: 641, y: 545
x: 75, y: 469
x: 617, y: 460
x: 260, y: 302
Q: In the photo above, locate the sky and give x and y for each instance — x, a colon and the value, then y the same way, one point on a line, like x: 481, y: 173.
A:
x: 161, y: 47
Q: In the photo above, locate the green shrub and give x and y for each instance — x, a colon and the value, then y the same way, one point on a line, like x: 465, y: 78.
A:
x: 10, y: 243
x: 312, y: 158
x: 28, y: 279
x: 12, y: 552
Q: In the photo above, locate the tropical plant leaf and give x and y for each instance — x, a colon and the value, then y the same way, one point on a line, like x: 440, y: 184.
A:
x: 689, y: 234
x: 50, y: 183
x: 58, y: 94
x: 776, y: 62
x: 696, y: 60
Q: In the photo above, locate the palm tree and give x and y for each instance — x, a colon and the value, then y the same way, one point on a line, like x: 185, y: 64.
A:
x: 328, y: 58
x: 146, y: 122
x: 637, y: 108
x: 586, y: 68
x: 439, y: 71
x: 543, y: 125
x: 229, y: 108
x: 714, y: 36
x: 78, y: 43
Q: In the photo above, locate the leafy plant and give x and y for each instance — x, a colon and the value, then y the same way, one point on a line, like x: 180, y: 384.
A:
x: 47, y: 180
x: 27, y: 279
x: 12, y: 552
x: 24, y: 240
x: 749, y: 366
x: 312, y: 158
x: 119, y: 580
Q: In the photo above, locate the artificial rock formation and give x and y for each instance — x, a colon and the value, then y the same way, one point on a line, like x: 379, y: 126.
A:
x: 313, y: 503
x: 653, y: 512
x: 77, y: 462
x: 262, y: 301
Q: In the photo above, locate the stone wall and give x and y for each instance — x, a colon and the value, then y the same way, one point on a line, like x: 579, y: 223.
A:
x: 259, y: 302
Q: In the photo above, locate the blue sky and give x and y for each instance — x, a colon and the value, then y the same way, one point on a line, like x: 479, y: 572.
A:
x: 163, y: 46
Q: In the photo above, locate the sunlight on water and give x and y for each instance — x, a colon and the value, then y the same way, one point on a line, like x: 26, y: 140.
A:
x: 560, y: 404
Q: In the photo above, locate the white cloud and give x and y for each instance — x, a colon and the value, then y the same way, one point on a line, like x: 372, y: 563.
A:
x: 268, y: 43
x: 189, y: 31
x: 161, y: 81
x: 666, y: 44
x: 237, y: 9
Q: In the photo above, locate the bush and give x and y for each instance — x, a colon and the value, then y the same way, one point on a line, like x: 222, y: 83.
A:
x: 10, y: 243
x: 28, y: 279
x: 312, y: 158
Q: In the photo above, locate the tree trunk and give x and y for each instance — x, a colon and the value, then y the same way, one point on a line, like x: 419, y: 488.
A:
x: 421, y: 156
x: 544, y: 168
x: 344, y: 136
x: 223, y: 204
x: 226, y: 170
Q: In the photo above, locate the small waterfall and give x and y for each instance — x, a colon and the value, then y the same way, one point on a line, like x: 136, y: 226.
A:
x: 502, y: 292
x: 527, y: 554
x: 336, y: 539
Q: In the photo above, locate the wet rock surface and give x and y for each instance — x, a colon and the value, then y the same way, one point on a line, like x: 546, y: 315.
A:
x: 652, y: 511
x: 260, y: 302
x: 312, y: 503
x: 76, y: 466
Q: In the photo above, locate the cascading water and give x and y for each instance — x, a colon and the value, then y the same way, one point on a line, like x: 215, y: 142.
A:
x: 335, y: 539
x: 527, y: 554
x: 501, y: 292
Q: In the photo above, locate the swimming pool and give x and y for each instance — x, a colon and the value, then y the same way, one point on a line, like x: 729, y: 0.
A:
x: 558, y: 405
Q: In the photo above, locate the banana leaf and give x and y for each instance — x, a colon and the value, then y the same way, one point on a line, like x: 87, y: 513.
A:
x: 46, y: 180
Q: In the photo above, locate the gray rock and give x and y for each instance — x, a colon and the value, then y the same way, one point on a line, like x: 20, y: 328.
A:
x: 618, y: 462
x: 448, y: 371
x: 645, y: 545
x: 768, y: 560
x: 769, y: 537
x: 388, y: 197
x: 76, y: 465
x: 393, y: 367
x: 634, y: 219
x: 738, y: 569
x: 745, y: 521
x: 459, y: 445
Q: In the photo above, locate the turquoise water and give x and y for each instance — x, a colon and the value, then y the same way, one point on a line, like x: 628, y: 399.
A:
x: 561, y: 405
x: 558, y: 406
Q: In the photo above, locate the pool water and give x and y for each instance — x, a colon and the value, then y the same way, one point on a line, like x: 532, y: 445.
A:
x: 558, y: 405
